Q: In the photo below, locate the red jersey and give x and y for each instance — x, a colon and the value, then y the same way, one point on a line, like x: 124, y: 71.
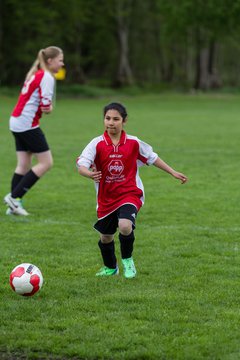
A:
x: 37, y: 92
x: 120, y: 183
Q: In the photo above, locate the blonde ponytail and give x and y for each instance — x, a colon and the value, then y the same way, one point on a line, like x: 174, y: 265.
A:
x: 41, y: 61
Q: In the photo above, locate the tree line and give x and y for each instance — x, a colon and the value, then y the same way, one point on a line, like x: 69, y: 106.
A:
x: 181, y: 43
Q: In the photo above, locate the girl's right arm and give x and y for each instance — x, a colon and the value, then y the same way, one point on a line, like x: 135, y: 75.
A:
x: 86, y: 161
x: 91, y: 174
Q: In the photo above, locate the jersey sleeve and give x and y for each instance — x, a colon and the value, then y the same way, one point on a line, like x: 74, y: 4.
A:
x: 146, y: 153
x: 88, y: 155
x: 46, y: 90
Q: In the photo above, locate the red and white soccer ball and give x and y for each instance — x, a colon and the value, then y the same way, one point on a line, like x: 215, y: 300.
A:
x: 26, y: 279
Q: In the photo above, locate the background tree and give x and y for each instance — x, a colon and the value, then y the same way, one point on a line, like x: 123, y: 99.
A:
x: 192, y: 43
x: 122, y: 15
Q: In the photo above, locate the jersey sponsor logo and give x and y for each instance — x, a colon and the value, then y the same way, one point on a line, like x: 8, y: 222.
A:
x: 115, y: 167
x: 115, y: 156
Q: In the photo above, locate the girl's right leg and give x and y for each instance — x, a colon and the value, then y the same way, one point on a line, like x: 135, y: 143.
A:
x: 107, y: 248
x: 24, y: 160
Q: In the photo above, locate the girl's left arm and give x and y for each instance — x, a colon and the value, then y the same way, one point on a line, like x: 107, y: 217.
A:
x: 46, y: 94
x: 159, y: 163
x: 46, y: 109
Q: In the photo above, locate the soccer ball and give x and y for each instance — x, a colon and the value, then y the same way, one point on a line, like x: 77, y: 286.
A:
x: 26, y: 279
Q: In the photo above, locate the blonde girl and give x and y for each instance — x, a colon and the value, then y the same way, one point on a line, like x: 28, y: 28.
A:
x: 35, y: 99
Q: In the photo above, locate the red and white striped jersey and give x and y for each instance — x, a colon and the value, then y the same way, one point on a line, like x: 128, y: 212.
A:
x: 36, y: 93
x: 120, y: 183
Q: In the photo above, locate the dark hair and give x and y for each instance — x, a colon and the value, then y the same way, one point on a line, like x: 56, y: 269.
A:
x: 116, y: 106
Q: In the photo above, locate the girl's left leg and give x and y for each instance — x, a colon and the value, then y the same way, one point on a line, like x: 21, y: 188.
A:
x: 126, y: 238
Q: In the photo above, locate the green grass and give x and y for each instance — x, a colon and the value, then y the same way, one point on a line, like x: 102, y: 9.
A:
x: 184, y: 303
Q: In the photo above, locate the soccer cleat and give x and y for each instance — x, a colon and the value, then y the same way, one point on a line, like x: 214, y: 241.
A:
x: 15, y: 205
x: 106, y: 271
x: 129, y: 269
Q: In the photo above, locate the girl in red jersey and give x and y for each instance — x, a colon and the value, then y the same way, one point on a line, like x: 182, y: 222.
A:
x: 35, y: 99
x: 115, y: 158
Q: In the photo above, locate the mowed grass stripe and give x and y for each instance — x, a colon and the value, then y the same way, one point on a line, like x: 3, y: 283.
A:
x: 160, y: 227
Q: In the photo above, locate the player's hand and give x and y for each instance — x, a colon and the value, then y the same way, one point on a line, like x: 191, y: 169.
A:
x: 96, y: 175
x: 46, y: 109
x: 180, y: 177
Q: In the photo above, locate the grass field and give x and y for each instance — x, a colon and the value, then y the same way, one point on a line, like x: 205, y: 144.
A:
x: 184, y: 303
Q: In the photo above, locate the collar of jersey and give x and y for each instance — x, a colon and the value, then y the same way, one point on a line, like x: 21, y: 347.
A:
x: 109, y: 141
